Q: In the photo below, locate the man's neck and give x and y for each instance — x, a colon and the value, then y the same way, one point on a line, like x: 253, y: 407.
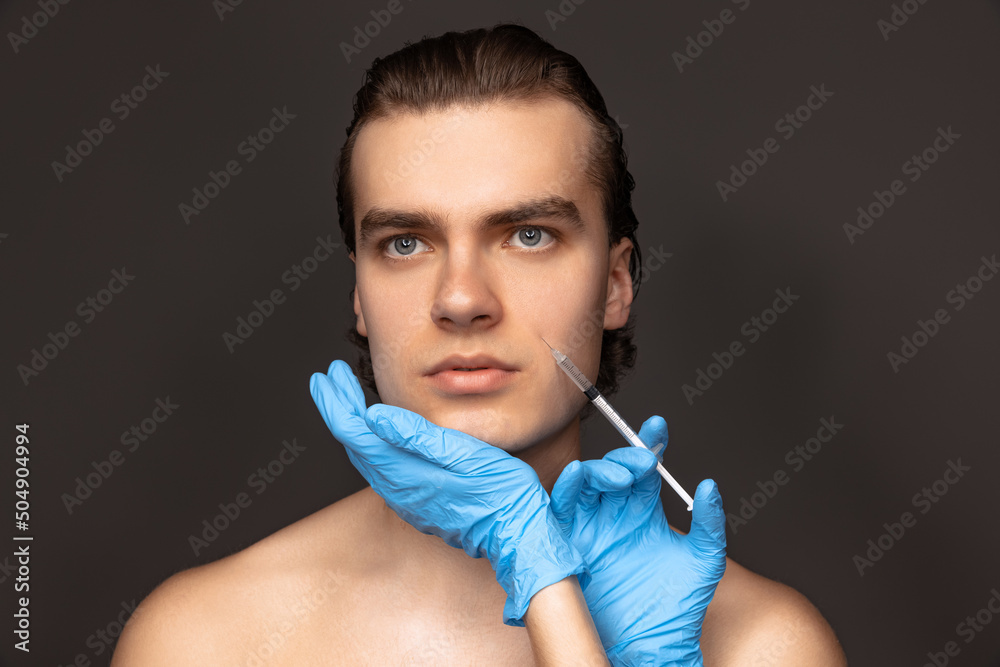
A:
x: 550, y: 456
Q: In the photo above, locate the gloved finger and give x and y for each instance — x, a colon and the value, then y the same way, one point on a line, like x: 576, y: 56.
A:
x: 332, y: 406
x: 403, y: 428
x: 343, y: 407
x: 565, y: 495
x: 342, y: 376
x: 341, y: 388
x: 654, y: 432
x: 605, y: 483
x: 348, y: 428
x: 642, y: 464
x: 708, y: 522
x: 636, y: 460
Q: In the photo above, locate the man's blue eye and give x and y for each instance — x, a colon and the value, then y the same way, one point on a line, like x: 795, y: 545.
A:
x: 533, y: 237
x: 530, y: 235
x: 404, y: 245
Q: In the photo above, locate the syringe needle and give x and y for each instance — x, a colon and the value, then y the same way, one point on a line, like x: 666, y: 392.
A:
x: 612, y: 416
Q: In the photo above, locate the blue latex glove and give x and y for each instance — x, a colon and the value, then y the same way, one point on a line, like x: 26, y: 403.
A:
x: 649, y: 586
x: 444, y: 482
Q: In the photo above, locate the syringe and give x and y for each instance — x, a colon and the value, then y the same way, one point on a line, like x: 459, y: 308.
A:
x: 598, y: 400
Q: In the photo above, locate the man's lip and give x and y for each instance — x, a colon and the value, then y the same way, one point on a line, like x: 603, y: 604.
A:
x: 481, y: 381
x: 474, y: 361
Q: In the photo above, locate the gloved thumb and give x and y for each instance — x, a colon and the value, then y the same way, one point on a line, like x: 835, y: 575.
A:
x: 606, y: 484
x: 654, y: 433
x: 708, y: 522
x: 642, y: 464
x: 565, y: 494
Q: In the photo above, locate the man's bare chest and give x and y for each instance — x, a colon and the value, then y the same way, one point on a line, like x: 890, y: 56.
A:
x: 398, y: 623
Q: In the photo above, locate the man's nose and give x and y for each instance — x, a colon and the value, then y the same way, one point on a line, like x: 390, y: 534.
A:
x: 466, y: 294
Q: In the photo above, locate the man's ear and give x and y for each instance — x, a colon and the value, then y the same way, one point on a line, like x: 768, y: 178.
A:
x: 619, y: 300
x: 362, y: 329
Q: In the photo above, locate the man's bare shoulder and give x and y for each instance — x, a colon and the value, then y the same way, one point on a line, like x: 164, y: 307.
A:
x: 756, y: 621
x: 279, y: 587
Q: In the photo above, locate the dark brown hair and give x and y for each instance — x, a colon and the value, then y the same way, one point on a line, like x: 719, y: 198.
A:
x: 508, y: 62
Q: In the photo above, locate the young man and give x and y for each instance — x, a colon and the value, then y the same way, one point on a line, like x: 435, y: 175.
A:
x: 485, y: 199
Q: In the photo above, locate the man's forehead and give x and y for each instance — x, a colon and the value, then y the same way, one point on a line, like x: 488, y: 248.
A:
x: 473, y: 161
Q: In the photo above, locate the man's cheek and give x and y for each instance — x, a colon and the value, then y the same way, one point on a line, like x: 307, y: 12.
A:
x: 584, y: 335
x: 386, y: 356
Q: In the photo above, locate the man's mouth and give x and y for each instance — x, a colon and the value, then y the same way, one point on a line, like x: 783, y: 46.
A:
x: 473, y: 374
x: 469, y: 363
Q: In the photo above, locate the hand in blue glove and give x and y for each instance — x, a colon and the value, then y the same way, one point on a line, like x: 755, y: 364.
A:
x: 444, y: 482
x: 649, y: 586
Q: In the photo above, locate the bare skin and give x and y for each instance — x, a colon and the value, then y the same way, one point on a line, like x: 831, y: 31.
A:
x: 353, y: 583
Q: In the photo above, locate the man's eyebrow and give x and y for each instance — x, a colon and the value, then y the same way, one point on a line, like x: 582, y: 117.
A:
x: 378, y: 218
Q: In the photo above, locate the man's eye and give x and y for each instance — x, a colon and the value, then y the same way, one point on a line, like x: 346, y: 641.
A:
x: 531, y: 237
x: 402, y: 246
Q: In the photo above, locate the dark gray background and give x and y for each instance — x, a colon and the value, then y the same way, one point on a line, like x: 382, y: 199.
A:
x: 826, y: 357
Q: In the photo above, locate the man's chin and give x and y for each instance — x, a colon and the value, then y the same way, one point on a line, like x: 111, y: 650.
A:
x: 515, y: 441
x: 511, y: 425
x: 500, y: 431
x: 485, y: 429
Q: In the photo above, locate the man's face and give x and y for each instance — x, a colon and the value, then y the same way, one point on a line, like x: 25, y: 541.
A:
x: 478, y: 235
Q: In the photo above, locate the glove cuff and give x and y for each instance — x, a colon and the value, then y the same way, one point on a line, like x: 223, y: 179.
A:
x: 650, y: 654
x: 539, y: 557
